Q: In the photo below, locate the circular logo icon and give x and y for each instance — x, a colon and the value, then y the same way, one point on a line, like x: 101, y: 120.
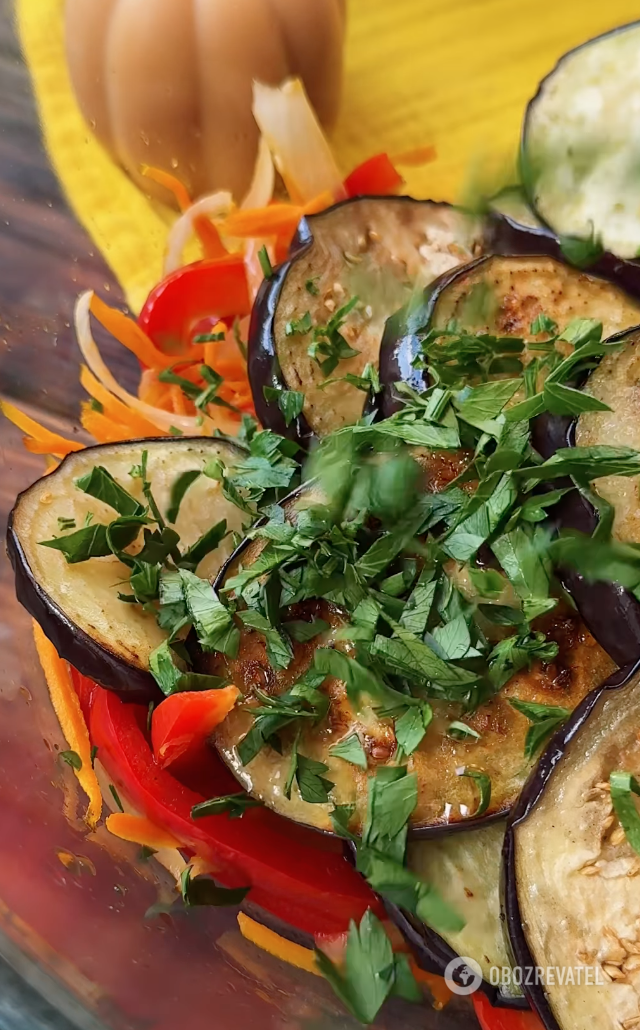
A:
x: 463, y: 975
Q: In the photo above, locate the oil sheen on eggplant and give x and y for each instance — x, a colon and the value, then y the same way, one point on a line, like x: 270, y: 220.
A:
x: 446, y: 800
x: 378, y: 249
x: 572, y: 899
x: 501, y: 295
x: 77, y: 605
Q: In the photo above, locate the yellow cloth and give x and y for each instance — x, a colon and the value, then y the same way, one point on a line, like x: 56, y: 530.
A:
x: 457, y: 73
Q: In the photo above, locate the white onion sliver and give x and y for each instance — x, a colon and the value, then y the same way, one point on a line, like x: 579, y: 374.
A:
x: 264, y: 178
x: 162, y: 419
x: 300, y: 149
x: 215, y: 205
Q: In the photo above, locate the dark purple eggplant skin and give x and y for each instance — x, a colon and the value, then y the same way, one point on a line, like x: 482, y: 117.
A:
x: 609, y: 611
x: 262, y: 362
x: 401, y: 341
x: 72, y: 643
x: 290, y: 933
x: 527, y: 801
x: 433, y: 954
x: 510, y: 238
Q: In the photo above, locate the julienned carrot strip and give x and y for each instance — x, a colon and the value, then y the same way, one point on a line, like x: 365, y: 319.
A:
x: 206, y: 231
x: 170, y: 183
x: 271, y: 942
x: 151, y: 390
x: 131, y: 336
x: 39, y: 439
x: 103, y: 429
x: 115, y: 409
x: 178, y: 401
x: 319, y: 203
x: 212, y: 245
x: 67, y: 708
x: 262, y: 221
x: 140, y: 830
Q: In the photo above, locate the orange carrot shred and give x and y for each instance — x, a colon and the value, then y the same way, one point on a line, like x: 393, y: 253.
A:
x: 170, y: 183
x: 115, y: 409
x: 178, y: 401
x: 279, y: 947
x: 140, y: 830
x: 67, y: 708
x: 319, y: 203
x: 101, y: 428
x: 39, y: 439
x: 212, y: 245
x: 130, y: 335
x: 262, y: 221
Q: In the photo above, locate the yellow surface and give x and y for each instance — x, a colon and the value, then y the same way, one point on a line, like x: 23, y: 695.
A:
x: 456, y: 73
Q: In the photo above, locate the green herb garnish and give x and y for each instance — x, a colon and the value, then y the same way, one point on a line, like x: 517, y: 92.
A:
x: 72, y: 758
x: 233, y: 805
x: 623, y: 787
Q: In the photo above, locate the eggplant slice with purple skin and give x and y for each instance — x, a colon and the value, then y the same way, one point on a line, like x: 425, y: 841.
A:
x: 500, y: 295
x: 578, y: 158
x: 610, y: 611
x: 446, y: 800
x: 571, y: 876
x: 465, y: 868
x: 503, y: 295
x: 516, y: 230
x: 375, y: 249
x: 77, y: 604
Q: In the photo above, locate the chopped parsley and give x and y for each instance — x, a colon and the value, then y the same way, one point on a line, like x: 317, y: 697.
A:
x: 265, y: 262
x: 72, y: 758
x: 623, y: 787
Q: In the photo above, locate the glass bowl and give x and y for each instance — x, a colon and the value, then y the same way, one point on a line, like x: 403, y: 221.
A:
x: 73, y: 907
x: 75, y: 917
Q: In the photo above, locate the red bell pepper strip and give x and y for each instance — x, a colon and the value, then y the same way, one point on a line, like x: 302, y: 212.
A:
x: 204, y: 292
x: 296, y: 874
x: 377, y: 177
x: 183, y: 722
x: 86, y: 690
x: 491, y: 1018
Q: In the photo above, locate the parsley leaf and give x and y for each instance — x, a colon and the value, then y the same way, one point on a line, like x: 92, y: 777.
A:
x: 313, y: 786
x: 233, y: 805
x: 213, y: 622
x: 623, y: 786
x: 99, y: 483
x: 203, y: 891
x: 178, y: 490
x: 411, y: 727
x: 483, y: 783
x: 371, y: 970
x: 545, y: 720
x: 72, y: 758
x: 204, y: 545
x: 304, y: 631
x: 351, y: 750
x: 290, y: 402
